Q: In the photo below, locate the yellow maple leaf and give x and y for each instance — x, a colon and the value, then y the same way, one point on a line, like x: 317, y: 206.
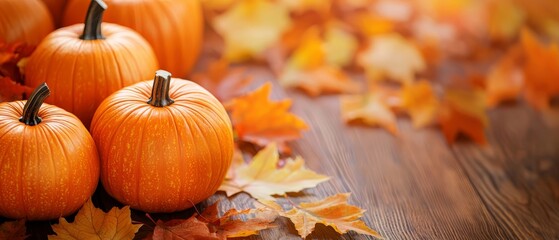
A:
x: 258, y: 120
x: 505, y: 19
x: 250, y: 27
x: 391, y: 56
x: 333, y: 211
x: 93, y: 223
x: 372, y: 108
x: 368, y: 24
x: 261, y: 178
x: 300, y: 6
x: 339, y: 45
x: 463, y: 112
x: 421, y: 103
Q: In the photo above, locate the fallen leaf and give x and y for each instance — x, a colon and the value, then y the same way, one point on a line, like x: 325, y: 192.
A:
x: 190, y: 228
x: 224, y: 83
x: 505, y: 79
x: 372, y: 108
x: 541, y: 71
x: 93, y: 223
x: 369, y: 24
x: 14, y: 230
x: 420, y: 102
x: 261, y: 178
x: 505, y: 20
x: 259, y: 120
x: 250, y: 27
x: 391, y: 56
x: 339, y: 45
x: 300, y: 6
x: 333, y: 211
x: 463, y: 112
x: 11, y: 90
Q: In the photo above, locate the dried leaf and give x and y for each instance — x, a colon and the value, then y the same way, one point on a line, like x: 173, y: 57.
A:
x: 224, y: 83
x: 261, y: 178
x: 14, y: 230
x: 93, y: 223
x: 505, y: 79
x: 11, y: 90
x: 191, y: 229
x: 505, y: 20
x: 541, y: 71
x: 420, y: 102
x: 391, y: 56
x: 463, y: 112
x: 250, y: 27
x: 339, y: 45
x: 333, y: 211
x: 300, y: 6
x: 258, y: 120
x: 372, y: 108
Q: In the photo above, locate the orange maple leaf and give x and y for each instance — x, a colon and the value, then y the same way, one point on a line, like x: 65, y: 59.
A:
x: 258, y: 120
x: 420, y: 102
x: 14, y: 230
x: 463, y: 112
x: 190, y: 228
x: 11, y: 90
x: 93, y: 223
x: 505, y: 79
x: 333, y: 211
x: 541, y: 71
x: 224, y: 83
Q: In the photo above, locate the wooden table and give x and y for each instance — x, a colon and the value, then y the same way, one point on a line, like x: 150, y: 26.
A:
x: 416, y: 186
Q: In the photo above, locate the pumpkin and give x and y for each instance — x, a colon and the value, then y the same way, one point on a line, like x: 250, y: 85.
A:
x: 174, y: 28
x: 24, y: 21
x: 49, y: 165
x: 164, y: 145
x: 56, y: 9
x: 83, y: 69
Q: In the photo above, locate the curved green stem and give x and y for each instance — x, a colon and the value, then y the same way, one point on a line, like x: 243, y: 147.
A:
x: 31, y: 109
x: 93, y: 19
x: 160, y: 90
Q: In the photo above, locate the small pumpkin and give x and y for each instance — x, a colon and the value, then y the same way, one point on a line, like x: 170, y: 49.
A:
x: 174, y: 28
x: 84, y: 64
x: 162, y: 148
x: 56, y: 9
x: 49, y: 164
x: 24, y: 20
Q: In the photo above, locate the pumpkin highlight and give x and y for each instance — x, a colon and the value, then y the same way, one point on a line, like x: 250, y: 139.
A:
x: 24, y: 21
x: 164, y: 144
x: 85, y: 63
x: 49, y: 165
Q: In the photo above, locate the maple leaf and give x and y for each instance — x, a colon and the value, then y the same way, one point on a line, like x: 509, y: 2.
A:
x: 258, y: 120
x: 391, y: 56
x: 420, y: 102
x: 505, y: 79
x: 11, y: 90
x: 208, y: 225
x: 261, y: 178
x: 224, y: 83
x: 300, y: 6
x: 541, y: 71
x: 93, y: 223
x: 333, y: 211
x: 339, y: 44
x: 14, y: 230
x: 368, y: 24
x: 505, y: 20
x: 372, y: 108
x: 250, y: 27
x: 463, y: 111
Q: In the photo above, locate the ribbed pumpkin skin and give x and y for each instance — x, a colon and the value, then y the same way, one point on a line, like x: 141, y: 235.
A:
x: 24, y: 20
x: 162, y: 159
x: 174, y: 28
x: 48, y: 170
x: 82, y: 73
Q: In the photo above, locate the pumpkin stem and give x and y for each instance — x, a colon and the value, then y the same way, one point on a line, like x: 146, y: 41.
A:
x: 33, y: 104
x: 93, y: 19
x: 160, y: 90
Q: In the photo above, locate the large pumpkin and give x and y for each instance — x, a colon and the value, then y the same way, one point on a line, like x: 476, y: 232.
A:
x: 49, y: 164
x: 56, y: 9
x: 174, y: 28
x: 84, y: 64
x: 162, y: 148
x: 24, y: 20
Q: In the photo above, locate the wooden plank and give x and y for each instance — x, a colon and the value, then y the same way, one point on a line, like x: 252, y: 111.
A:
x: 517, y: 175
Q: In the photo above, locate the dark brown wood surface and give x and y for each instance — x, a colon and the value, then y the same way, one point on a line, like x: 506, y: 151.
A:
x: 415, y: 185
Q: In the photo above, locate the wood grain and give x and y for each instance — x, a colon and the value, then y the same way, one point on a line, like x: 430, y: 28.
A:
x: 415, y: 186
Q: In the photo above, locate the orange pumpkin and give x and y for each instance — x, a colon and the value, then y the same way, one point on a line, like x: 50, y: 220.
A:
x: 174, y: 28
x: 24, y: 20
x: 162, y: 148
x: 56, y: 9
x: 49, y: 164
x: 83, y: 69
